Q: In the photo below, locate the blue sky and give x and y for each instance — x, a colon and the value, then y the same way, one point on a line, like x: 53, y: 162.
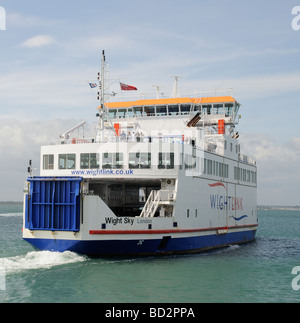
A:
x: 50, y: 49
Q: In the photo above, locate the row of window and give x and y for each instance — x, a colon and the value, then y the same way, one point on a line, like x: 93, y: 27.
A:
x: 215, y: 168
x: 109, y: 161
x: 207, y: 166
x: 140, y: 160
x: 245, y: 175
x: 226, y: 109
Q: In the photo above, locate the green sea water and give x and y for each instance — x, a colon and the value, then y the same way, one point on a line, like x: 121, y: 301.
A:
x: 256, y: 272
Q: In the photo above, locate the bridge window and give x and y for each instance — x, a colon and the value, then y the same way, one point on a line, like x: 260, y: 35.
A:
x: 149, y: 111
x: 218, y: 109
x: 206, y: 109
x: 112, y: 113
x: 130, y: 113
x: 48, y: 162
x: 185, y: 108
x: 66, y: 161
x: 236, y: 108
x: 161, y: 110
x: 122, y: 113
x: 228, y: 109
x: 197, y: 108
x: 138, y: 111
x: 89, y: 161
x: 173, y: 109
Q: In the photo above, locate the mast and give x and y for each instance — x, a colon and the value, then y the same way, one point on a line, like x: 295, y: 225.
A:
x: 101, y: 78
x: 175, y: 93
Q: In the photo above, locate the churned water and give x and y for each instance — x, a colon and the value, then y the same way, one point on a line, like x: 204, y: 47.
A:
x: 257, y: 272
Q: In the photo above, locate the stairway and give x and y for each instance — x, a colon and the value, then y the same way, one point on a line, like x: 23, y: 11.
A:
x: 156, y: 198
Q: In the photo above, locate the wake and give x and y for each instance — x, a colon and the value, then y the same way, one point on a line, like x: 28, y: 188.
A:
x: 39, y: 260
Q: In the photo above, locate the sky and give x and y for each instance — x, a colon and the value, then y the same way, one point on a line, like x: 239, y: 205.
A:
x: 50, y: 50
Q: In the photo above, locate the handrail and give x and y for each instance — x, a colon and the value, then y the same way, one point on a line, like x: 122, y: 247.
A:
x: 155, y: 199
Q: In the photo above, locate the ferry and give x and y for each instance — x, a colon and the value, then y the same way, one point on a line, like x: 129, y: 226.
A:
x: 161, y: 176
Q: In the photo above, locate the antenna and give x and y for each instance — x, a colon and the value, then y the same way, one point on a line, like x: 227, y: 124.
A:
x: 103, y: 114
x: 175, y: 93
x: 157, y: 90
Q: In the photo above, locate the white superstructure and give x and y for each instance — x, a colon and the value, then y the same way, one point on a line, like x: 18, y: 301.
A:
x: 160, y: 176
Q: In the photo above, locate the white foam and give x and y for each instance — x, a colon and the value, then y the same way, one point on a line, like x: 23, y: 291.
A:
x: 11, y: 214
x: 232, y: 247
x: 39, y: 260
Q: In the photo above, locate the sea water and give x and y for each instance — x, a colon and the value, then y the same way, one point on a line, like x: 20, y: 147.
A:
x: 256, y: 272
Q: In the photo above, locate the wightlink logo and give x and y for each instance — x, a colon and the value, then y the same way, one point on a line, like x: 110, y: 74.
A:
x: 96, y: 172
x: 2, y: 18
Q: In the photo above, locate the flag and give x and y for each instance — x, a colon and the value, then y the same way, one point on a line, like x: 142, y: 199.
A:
x: 125, y: 87
x: 93, y: 85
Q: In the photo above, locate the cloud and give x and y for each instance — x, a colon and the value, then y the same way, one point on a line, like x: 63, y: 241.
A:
x: 38, y: 41
x: 47, y: 91
x: 18, y: 19
x: 278, y: 168
x: 20, y: 141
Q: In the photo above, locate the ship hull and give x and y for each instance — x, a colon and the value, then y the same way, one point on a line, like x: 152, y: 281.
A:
x: 143, y: 246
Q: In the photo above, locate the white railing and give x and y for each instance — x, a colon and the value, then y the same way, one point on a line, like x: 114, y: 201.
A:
x: 127, y: 139
x: 247, y: 160
x: 155, y: 199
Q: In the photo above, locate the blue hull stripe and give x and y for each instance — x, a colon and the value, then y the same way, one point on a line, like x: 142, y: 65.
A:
x: 166, y: 245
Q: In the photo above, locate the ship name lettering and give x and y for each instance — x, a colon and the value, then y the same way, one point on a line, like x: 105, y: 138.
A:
x: 224, y: 202
x: 144, y: 221
x: 128, y: 220
x: 115, y: 221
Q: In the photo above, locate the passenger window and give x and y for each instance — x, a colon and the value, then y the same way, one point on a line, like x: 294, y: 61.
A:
x: 84, y: 161
x: 145, y: 160
x: 139, y: 160
x: 89, y: 161
x: 166, y: 161
x: 48, y: 162
x: 107, y: 161
x: 66, y: 161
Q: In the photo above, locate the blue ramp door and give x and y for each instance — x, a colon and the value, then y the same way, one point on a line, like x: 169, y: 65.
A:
x: 53, y: 204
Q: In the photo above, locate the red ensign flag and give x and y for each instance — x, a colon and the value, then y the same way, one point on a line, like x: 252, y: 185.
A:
x: 125, y: 87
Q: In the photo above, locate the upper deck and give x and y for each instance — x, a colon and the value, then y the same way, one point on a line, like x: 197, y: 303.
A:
x: 153, y: 130
x: 209, y: 109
